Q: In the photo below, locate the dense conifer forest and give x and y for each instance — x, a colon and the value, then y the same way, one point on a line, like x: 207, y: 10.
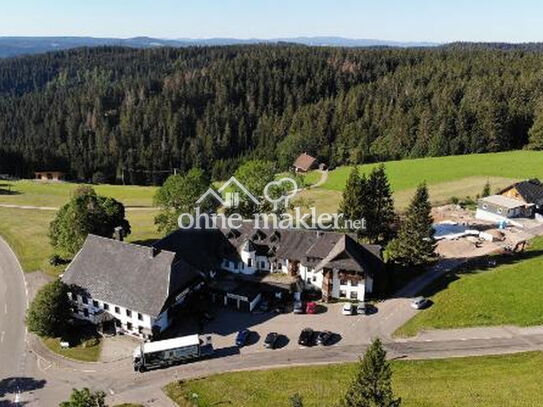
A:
x: 101, y: 113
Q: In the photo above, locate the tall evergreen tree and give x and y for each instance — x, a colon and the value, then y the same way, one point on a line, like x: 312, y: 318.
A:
x: 379, y: 207
x: 535, y: 134
x: 415, y: 245
x: 352, y: 201
x: 372, y: 384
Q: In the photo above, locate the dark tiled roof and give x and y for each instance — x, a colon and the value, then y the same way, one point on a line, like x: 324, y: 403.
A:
x: 308, y: 246
x: 136, y: 277
x: 351, y: 256
x: 198, y: 247
x: 304, y: 162
x: 530, y: 190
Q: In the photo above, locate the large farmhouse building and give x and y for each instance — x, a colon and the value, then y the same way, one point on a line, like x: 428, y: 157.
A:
x: 129, y: 287
x: 137, y: 289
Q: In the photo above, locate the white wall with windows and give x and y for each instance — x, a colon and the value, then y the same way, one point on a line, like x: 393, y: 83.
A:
x: 126, y: 320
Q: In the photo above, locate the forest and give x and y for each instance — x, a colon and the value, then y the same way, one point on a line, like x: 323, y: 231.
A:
x: 112, y: 114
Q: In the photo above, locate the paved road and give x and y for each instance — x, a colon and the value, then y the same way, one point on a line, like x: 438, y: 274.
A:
x: 12, y: 309
x: 16, y: 365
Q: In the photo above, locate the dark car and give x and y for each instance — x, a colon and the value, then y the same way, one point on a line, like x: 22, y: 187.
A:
x: 324, y: 337
x: 362, y: 309
x: 241, y: 337
x: 271, y: 340
x: 306, y: 337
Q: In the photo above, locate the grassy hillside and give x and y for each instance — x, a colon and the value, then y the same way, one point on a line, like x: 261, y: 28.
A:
x: 482, y: 382
x: 408, y: 173
x: 450, y: 176
x: 52, y: 194
x: 508, y: 294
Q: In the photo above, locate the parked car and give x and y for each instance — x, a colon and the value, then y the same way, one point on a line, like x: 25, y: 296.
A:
x: 362, y: 308
x: 311, y: 308
x: 241, y: 337
x: 271, y: 340
x: 419, y: 303
x: 324, y: 337
x: 306, y: 337
x: 348, y: 309
x: 298, y: 307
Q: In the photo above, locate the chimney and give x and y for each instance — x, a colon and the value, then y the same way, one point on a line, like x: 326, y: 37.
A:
x: 118, y: 233
x: 154, y: 251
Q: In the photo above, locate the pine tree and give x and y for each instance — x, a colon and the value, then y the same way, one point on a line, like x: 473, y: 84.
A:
x: 379, y: 207
x: 415, y: 245
x: 486, y: 189
x: 372, y: 385
x: 351, y: 205
x: 535, y: 134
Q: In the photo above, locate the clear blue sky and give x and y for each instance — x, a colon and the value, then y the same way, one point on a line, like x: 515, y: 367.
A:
x: 401, y: 20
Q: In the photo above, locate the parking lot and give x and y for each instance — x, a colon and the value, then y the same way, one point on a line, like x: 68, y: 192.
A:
x: 348, y: 330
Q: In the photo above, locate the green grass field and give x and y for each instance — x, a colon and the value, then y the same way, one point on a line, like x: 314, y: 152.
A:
x: 26, y: 232
x: 482, y: 381
x: 88, y: 351
x: 507, y: 294
x: 26, y: 229
x: 452, y: 176
x: 56, y: 194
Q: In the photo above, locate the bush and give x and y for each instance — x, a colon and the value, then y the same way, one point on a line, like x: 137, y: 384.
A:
x: 49, y: 311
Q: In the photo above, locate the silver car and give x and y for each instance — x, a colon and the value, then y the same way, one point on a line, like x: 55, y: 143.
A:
x: 419, y: 303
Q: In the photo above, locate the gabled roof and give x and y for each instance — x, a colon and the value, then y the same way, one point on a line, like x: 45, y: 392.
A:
x: 531, y: 190
x: 136, y: 277
x: 348, y: 255
x: 304, y: 162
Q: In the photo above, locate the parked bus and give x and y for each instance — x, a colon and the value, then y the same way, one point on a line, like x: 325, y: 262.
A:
x: 169, y: 352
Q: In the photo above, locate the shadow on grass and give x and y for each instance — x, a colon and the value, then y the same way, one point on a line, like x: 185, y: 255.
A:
x: 5, y: 189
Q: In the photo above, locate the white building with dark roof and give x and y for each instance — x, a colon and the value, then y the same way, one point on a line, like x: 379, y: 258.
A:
x: 136, y: 289
x: 130, y: 287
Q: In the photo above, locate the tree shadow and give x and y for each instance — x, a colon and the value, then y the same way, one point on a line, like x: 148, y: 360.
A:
x: 14, y: 385
x: 5, y: 189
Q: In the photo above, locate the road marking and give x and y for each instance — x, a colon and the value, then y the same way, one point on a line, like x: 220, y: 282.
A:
x: 111, y: 392
x: 2, y: 336
x: 6, y: 308
x: 88, y: 371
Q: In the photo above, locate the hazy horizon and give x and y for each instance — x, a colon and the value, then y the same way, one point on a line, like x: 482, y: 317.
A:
x: 389, y: 20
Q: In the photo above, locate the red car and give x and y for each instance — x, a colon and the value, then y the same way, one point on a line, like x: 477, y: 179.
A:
x: 311, y: 308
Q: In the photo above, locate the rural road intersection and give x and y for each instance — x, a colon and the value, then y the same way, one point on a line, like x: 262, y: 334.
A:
x: 31, y: 375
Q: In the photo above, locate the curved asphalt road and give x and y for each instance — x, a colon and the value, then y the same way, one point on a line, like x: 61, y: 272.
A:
x: 12, y: 314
